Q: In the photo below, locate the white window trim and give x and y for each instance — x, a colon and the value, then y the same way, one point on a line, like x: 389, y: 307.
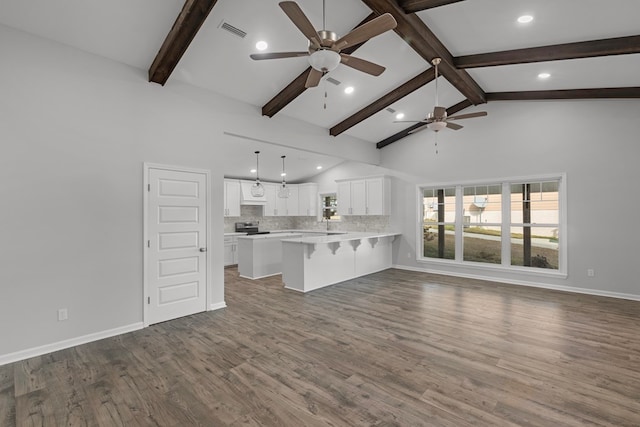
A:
x: 505, y: 265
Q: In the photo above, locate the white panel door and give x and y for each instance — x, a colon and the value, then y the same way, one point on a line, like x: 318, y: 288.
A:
x: 177, y: 236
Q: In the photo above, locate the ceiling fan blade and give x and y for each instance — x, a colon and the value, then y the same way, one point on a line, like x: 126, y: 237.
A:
x: 361, y: 64
x: 439, y: 112
x: 300, y: 20
x: 313, y: 79
x: 468, y: 116
x: 418, y: 129
x: 277, y: 55
x: 410, y: 121
x: 454, y: 126
x: 364, y: 32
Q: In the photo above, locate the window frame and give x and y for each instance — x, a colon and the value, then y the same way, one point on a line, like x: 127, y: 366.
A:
x: 321, y: 207
x: 505, y: 265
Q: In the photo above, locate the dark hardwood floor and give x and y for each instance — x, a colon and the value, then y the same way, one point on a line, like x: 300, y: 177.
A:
x: 395, y: 348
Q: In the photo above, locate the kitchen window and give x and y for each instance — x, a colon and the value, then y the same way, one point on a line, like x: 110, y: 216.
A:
x: 329, y: 203
x: 512, y: 224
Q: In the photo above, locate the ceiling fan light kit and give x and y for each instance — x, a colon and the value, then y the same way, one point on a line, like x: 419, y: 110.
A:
x: 324, y: 60
x: 437, y: 126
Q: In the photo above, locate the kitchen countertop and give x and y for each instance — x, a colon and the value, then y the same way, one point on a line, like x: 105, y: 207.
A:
x: 340, y: 237
x: 331, y: 232
x: 271, y: 235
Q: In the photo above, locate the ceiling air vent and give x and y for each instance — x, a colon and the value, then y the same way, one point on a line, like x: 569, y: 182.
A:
x: 233, y: 30
x: 391, y: 110
x: 334, y: 81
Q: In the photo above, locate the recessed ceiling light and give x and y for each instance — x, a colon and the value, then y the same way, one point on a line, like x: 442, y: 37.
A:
x: 318, y: 167
x: 348, y: 89
x: 261, y: 45
x: 525, y: 19
x: 399, y: 116
x: 253, y: 171
x: 544, y: 76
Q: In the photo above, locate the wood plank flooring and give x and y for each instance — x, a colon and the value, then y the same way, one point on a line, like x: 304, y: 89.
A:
x: 395, y: 348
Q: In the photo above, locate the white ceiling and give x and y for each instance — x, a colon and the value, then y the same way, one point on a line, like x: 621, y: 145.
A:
x: 132, y: 31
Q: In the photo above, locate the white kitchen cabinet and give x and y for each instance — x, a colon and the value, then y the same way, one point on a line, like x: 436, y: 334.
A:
x: 307, y: 199
x: 280, y: 206
x: 292, y: 200
x: 231, y: 197
x: 270, y: 208
x: 230, y: 250
x: 366, y: 196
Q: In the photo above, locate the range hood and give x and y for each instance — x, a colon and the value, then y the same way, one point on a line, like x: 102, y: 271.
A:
x: 246, y: 198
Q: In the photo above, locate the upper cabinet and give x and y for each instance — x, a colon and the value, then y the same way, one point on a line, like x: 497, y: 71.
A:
x: 270, y: 208
x: 307, y: 199
x: 280, y: 206
x: 366, y: 196
x: 302, y: 199
x: 231, y: 197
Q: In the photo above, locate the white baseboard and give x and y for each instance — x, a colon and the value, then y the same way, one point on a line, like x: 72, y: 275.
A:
x: 72, y: 342
x: 217, y: 306
x: 585, y: 291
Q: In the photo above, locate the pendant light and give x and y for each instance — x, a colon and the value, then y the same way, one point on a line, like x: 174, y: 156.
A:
x: 283, y: 191
x: 257, y: 189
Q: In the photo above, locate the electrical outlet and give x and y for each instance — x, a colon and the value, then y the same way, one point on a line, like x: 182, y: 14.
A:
x: 63, y: 314
x: 590, y: 272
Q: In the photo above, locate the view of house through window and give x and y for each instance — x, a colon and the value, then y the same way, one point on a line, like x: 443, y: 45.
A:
x: 470, y: 223
x: 439, y: 222
x: 329, y: 206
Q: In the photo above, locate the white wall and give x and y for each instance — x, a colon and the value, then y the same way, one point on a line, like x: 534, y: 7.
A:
x: 75, y: 130
x: 595, y: 142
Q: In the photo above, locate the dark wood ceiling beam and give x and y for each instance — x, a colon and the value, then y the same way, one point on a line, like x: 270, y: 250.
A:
x: 296, y: 87
x: 587, y: 49
x: 413, y: 31
x: 412, y: 6
x: 597, y: 93
x: 404, y: 133
x: 384, y: 101
x: 185, y: 28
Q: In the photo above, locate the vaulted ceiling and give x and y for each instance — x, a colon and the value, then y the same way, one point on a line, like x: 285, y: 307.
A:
x: 466, y: 34
x: 590, y: 48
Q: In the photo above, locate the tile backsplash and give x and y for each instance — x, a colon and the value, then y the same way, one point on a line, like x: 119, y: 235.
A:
x: 372, y: 223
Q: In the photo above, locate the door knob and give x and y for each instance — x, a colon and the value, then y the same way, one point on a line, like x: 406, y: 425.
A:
x: 203, y: 249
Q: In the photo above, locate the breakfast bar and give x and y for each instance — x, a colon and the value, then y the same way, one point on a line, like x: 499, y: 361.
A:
x: 310, y: 263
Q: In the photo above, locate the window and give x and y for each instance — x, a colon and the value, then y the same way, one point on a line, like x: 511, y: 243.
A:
x: 509, y: 224
x: 482, y: 232
x: 439, y: 216
x: 329, y: 207
x: 535, y: 224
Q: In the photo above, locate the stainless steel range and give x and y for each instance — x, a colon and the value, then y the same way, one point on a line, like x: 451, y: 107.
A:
x: 249, y: 228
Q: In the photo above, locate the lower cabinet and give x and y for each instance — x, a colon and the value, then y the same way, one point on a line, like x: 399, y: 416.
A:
x: 230, y: 250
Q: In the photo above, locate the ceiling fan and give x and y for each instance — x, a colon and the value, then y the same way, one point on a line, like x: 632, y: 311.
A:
x: 325, y: 47
x: 438, y: 120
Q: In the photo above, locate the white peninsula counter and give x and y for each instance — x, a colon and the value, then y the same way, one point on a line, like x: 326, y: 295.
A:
x: 260, y: 255
x: 310, y: 263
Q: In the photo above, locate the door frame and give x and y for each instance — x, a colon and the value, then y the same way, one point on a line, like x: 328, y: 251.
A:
x: 145, y: 232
